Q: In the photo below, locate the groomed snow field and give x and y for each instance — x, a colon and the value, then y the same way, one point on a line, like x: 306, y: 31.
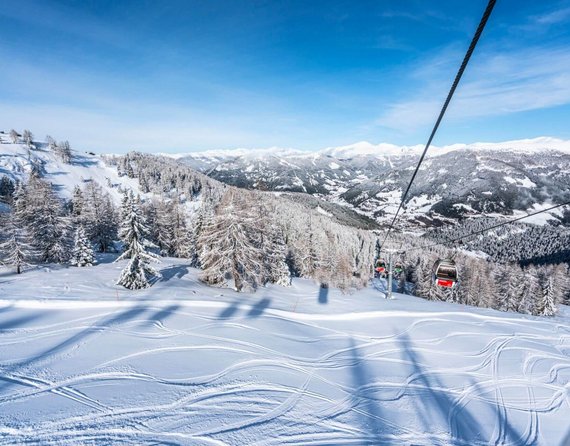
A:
x: 83, y: 361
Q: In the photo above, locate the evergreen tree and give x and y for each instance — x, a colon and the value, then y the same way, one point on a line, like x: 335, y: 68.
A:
x: 423, y: 278
x: 402, y: 283
x: 501, y: 279
x: 230, y: 245
x: 516, y: 288
x: 27, y: 137
x: 98, y: 216
x: 77, y: 203
x: 7, y: 189
x: 138, y: 273
x: 82, y: 250
x: 532, y: 292
x: 183, y: 243
x: 41, y: 211
x: 63, y: 150
x: 276, y: 268
x: 51, y: 142
x: 548, y: 302
x: 199, y: 219
x: 16, y: 250
x: 14, y: 136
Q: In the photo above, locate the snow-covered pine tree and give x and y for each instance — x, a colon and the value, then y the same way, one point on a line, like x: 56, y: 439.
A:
x: 516, y: 287
x: 40, y: 210
x: 27, y: 137
x: 562, y: 279
x: 138, y: 273
x: 126, y: 208
x: 129, y: 170
x: 548, y: 302
x: 532, y: 292
x: 14, y: 136
x: 98, y: 216
x: 196, y: 225
x: 501, y: 278
x: 275, y: 249
x: 77, y: 203
x: 308, y: 261
x: 165, y: 225
x: 470, y: 283
x: 16, y: 250
x: 50, y: 141
x: 402, y: 283
x: 487, y: 288
x: 230, y: 244
x: 423, y: 278
x: 63, y: 149
x: 7, y: 189
x: 83, y: 254
x: 183, y: 245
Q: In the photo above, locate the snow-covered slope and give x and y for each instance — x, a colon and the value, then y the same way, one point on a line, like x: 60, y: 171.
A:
x: 86, y: 362
x: 16, y: 161
x: 455, y: 181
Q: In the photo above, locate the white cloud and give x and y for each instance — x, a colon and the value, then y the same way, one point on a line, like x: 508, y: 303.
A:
x: 104, y: 132
x: 553, y: 17
x: 495, y: 84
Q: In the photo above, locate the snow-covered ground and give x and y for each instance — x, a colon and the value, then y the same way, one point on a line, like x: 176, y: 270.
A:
x: 16, y: 163
x: 85, y: 362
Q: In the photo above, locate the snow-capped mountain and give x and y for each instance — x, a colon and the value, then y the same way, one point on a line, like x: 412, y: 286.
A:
x: 455, y: 181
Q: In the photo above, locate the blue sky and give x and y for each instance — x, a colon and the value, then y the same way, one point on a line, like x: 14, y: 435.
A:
x: 113, y: 76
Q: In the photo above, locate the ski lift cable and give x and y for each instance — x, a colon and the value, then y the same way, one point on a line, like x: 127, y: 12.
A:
x: 481, y: 231
x: 458, y: 76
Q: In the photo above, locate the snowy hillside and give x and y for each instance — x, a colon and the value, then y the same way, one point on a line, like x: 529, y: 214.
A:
x: 86, y: 362
x: 16, y: 162
x: 456, y: 181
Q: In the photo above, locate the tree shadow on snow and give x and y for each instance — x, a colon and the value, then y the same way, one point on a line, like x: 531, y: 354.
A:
x: 19, y: 321
x: 80, y: 160
x: 173, y: 271
x: 370, y: 411
x: 231, y: 310
x: 566, y: 440
x: 82, y: 336
x: 7, y: 273
x: 161, y: 315
x: 4, y: 309
x: 435, y: 403
x: 381, y: 285
x: 323, y: 294
x: 258, y: 309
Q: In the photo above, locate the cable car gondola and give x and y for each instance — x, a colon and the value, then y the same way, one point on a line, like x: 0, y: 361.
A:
x: 380, y: 267
x: 398, y: 268
x: 445, y: 273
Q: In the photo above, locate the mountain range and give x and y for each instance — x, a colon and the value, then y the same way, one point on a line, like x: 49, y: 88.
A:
x: 456, y: 181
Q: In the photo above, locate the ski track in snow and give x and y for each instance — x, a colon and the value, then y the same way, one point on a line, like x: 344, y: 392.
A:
x: 358, y: 370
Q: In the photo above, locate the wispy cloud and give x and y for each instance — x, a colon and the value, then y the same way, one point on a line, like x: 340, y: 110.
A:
x: 553, y: 17
x: 167, y: 129
x: 497, y: 84
x: 57, y: 17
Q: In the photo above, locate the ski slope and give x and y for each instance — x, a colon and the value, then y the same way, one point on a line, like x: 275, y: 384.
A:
x: 16, y: 163
x: 85, y: 362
